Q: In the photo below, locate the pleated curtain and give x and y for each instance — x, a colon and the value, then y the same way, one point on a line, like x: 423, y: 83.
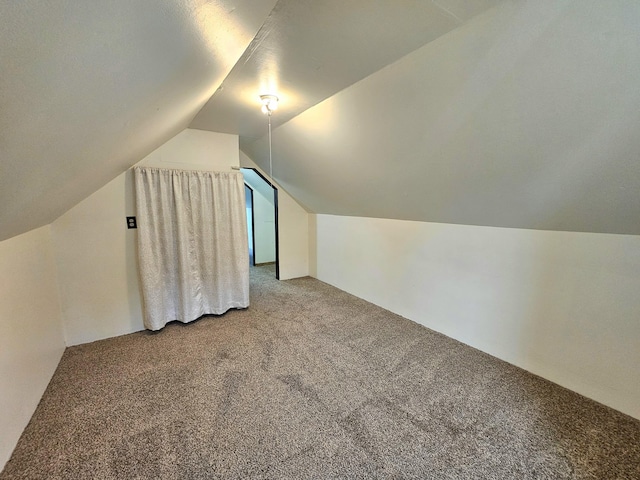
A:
x: 192, y: 244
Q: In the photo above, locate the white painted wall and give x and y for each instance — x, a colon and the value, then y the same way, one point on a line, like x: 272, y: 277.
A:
x: 196, y: 150
x: 293, y: 230
x: 31, y: 338
x: 313, y: 245
x: 563, y: 305
x: 96, y: 258
x: 96, y: 253
x: 293, y: 238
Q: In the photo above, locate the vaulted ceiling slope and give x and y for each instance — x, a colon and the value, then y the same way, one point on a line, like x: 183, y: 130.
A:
x: 513, y: 113
x: 527, y: 116
x: 308, y: 50
x: 88, y: 88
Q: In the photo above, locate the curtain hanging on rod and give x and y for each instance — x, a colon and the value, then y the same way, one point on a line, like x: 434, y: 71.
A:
x: 192, y: 244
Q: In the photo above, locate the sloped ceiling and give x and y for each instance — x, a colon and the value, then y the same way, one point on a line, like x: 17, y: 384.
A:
x: 308, y: 50
x: 88, y: 88
x: 510, y: 113
x: 527, y: 116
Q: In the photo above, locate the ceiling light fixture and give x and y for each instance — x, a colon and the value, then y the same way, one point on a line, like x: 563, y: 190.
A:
x: 269, y: 104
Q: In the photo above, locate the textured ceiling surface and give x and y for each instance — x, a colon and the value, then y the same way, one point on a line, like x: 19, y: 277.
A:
x: 488, y: 112
x: 309, y: 50
x: 525, y: 117
x: 88, y: 88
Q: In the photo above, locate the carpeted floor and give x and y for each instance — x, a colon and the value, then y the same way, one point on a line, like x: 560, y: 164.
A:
x: 310, y: 382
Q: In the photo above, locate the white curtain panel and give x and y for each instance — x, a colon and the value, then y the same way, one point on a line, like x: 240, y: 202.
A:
x: 193, y: 251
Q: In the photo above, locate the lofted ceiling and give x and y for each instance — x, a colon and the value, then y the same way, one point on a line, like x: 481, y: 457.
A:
x: 488, y: 112
x: 527, y: 116
x: 89, y: 88
x: 308, y: 50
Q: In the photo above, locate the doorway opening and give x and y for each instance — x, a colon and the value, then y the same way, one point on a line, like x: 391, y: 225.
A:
x: 262, y: 219
x: 248, y: 193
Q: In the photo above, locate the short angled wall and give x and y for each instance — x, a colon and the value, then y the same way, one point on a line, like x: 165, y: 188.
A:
x: 31, y: 338
x: 562, y: 305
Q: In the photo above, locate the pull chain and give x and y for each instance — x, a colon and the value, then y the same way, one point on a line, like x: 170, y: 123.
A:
x: 270, y: 158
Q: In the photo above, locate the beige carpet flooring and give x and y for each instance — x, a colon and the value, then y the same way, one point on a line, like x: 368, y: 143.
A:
x: 310, y: 382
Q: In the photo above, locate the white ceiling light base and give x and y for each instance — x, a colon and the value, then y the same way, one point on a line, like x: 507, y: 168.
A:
x: 269, y: 104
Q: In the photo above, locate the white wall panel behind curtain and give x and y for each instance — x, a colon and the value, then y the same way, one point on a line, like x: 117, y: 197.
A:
x: 192, y: 244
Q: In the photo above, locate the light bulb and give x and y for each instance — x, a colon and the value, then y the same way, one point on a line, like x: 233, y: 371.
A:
x: 269, y: 103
